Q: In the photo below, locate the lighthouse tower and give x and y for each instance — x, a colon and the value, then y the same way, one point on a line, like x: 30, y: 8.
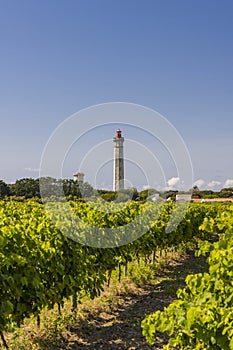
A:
x: 118, y: 182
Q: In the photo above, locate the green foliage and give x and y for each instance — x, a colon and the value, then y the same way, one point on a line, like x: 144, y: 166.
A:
x: 30, y: 188
x: 40, y: 266
x: 132, y: 193
x: 27, y: 188
x: 226, y: 192
x: 4, y: 189
x: 144, y: 194
x: 74, y: 189
x: 122, y: 195
x: 171, y: 194
x: 202, y: 316
x: 108, y: 196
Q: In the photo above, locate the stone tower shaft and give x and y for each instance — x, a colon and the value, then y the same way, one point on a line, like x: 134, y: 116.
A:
x: 118, y: 182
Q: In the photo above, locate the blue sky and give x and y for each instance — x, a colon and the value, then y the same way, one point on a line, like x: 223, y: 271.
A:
x: 58, y: 57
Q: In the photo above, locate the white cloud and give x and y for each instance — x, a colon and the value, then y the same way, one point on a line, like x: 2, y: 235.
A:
x: 32, y: 170
x: 228, y: 183
x: 199, y: 183
x: 146, y: 187
x: 173, y: 182
x: 214, y: 183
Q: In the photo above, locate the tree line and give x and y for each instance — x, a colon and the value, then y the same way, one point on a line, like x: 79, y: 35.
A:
x: 30, y: 188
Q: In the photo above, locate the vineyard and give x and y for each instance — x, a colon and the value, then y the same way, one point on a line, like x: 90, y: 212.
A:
x: 41, y: 267
x: 202, y: 316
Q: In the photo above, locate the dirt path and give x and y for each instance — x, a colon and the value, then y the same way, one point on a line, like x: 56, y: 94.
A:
x: 117, y: 327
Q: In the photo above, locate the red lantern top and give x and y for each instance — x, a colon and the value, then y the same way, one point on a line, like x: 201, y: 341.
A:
x: 118, y: 134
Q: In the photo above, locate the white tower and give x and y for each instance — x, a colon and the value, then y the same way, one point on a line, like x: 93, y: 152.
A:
x: 118, y: 182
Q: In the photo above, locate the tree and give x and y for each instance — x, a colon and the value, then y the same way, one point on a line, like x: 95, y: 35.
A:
x: 144, y: 194
x: 171, y: 194
x: 108, y: 196
x: 86, y: 190
x: 4, y: 189
x: 49, y: 187
x: 71, y: 188
x: 131, y: 193
x: 74, y: 189
x: 226, y: 192
x: 27, y: 188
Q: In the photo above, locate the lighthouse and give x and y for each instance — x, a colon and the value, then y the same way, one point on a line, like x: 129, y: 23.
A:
x: 118, y: 181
